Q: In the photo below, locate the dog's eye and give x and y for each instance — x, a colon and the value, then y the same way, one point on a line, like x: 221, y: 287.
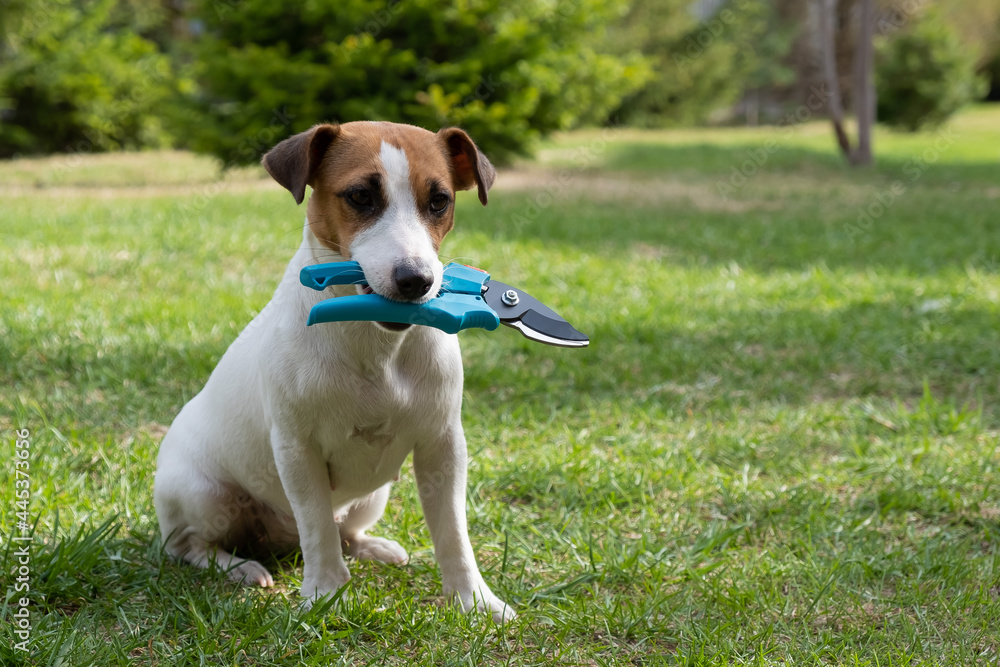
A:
x: 439, y: 202
x: 361, y: 197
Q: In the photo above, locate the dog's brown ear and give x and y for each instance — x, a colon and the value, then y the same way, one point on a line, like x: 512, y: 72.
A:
x: 293, y: 162
x: 468, y: 164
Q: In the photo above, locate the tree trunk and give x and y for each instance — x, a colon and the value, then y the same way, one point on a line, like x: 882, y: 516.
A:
x: 828, y: 51
x: 753, y: 107
x: 864, y: 87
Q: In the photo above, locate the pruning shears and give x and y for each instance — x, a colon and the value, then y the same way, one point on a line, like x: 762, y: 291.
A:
x: 468, y: 299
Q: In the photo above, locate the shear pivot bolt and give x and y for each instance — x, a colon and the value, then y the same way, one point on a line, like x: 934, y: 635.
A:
x: 510, y: 298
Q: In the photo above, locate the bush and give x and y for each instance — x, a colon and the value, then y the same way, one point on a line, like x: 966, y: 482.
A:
x: 76, y: 77
x: 508, y: 72
x: 924, y: 75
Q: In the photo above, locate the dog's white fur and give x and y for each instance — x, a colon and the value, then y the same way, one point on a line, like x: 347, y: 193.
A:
x: 399, y: 234
x: 300, y: 431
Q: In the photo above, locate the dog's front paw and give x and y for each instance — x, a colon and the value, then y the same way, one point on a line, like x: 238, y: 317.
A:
x: 501, y: 611
x: 365, y: 547
x: 315, y: 589
x: 482, y: 599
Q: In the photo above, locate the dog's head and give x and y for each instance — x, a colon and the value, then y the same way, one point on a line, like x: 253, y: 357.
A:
x: 383, y: 195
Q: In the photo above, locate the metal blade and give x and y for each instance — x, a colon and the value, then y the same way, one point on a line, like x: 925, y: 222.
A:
x: 516, y: 308
x: 542, y: 338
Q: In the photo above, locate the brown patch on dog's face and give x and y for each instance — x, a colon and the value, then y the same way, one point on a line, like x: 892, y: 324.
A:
x: 344, y: 167
x: 350, y: 189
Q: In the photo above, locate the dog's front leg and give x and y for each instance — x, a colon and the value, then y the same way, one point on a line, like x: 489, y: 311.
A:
x: 304, y: 478
x: 440, y: 469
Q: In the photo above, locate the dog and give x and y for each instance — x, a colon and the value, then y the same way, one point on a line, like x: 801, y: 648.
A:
x: 300, y: 431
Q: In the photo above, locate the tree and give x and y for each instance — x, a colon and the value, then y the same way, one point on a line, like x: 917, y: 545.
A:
x: 506, y: 71
x: 864, y: 89
x: 77, y: 76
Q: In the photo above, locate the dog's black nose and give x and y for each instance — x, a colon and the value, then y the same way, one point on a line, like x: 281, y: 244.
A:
x: 411, y: 282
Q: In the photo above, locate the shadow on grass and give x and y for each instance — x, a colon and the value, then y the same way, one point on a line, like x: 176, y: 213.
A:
x: 113, y: 386
x: 628, y: 156
x: 749, y: 358
x: 944, y: 217
x: 739, y: 356
x: 758, y: 155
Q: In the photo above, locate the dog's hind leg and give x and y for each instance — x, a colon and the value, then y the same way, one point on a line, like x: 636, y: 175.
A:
x: 361, y: 516
x: 195, y: 523
x: 243, y: 571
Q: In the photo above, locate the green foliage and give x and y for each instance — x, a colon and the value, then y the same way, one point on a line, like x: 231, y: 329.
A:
x: 77, y: 76
x: 924, y: 75
x: 700, y: 66
x: 508, y: 72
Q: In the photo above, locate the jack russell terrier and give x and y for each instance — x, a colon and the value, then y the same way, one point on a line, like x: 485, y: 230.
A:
x: 300, y: 431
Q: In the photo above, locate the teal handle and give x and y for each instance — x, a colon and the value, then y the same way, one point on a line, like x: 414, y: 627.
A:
x: 461, y: 279
x: 449, y: 312
x: 321, y: 276
x: 457, y: 278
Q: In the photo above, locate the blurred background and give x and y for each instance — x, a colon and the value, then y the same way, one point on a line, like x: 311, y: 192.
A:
x: 230, y: 78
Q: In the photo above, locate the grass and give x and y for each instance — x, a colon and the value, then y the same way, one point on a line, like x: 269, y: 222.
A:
x: 780, y: 448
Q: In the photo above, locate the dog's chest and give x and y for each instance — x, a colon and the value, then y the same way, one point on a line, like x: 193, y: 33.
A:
x: 367, y: 427
x: 368, y: 457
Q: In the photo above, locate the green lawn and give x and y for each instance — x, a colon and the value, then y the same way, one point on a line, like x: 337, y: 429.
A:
x: 780, y: 448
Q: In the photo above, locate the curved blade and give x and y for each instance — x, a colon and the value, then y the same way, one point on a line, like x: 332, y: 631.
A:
x: 532, y: 318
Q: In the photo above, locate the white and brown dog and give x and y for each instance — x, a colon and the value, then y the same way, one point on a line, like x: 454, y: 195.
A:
x: 300, y: 431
